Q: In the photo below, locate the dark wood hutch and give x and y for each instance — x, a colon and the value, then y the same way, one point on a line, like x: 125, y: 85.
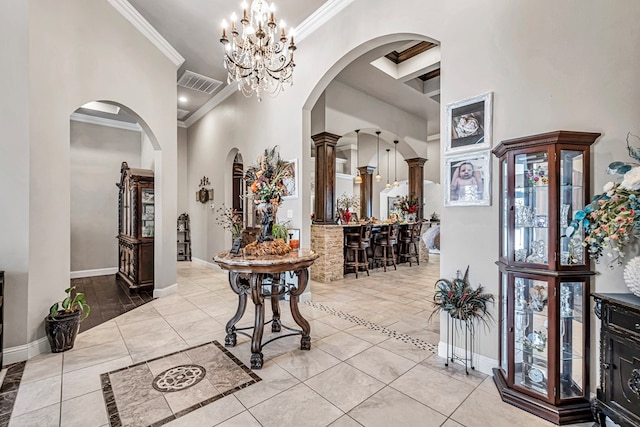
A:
x: 136, y: 228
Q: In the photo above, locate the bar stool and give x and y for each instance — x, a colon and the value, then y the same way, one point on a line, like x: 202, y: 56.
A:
x: 408, y: 243
x: 356, y: 245
x: 385, y: 243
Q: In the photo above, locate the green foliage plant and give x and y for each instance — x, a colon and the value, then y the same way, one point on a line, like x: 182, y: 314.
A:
x: 73, y: 302
x: 458, y: 298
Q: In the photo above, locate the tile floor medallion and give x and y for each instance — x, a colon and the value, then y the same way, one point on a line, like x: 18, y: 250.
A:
x: 9, y: 390
x: 160, y: 390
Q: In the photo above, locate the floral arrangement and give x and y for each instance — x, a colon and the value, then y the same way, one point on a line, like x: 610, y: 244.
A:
x: 266, y: 177
x: 347, y: 202
x: 230, y: 220
x: 612, y: 219
x: 457, y: 298
x: 408, y: 204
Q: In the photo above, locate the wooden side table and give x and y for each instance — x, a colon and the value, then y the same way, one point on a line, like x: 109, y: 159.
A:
x: 260, y: 278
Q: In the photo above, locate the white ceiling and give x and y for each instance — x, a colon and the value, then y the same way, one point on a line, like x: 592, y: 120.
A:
x: 193, y: 28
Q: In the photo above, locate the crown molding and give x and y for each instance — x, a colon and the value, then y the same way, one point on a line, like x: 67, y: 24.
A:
x: 100, y: 121
x: 323, y: 14
x: 133, y: 16
x: 434, y: 137
x: 181, y: 124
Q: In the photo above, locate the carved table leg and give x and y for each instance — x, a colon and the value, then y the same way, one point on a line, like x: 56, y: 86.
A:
x: 239, y: 285
x: 276, y: 324
x: 256, y: 339
x: 303, y: 278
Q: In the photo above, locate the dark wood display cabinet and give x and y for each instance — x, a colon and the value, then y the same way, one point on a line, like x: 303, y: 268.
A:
x: 136, y: 228
x: 618, y: 396
x: 544, y: 276
x: 184, y: 238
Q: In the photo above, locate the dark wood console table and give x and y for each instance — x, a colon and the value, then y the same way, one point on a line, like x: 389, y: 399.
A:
x: 260, y: 278
x: 618, y: 396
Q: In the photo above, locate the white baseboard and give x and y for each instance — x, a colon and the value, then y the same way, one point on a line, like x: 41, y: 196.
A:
x: 481, y: 363
x: 93, y: 273
x: 26, y: 351
x: 169, y: 290
x: 204, y: 263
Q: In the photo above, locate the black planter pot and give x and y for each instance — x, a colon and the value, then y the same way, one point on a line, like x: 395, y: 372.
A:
x: 62, y: 331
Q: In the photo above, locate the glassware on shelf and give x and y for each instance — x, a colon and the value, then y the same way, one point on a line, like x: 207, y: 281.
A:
x: 520, y: 301
x: 538, y: 252
x: 536, y: 340
x: 564, y: 215
x: 538, y: 297
x: 541, y: 221
x: 520, y: 255
x: 521, y: 323
x: 566, y: 310
x: 524, y: 215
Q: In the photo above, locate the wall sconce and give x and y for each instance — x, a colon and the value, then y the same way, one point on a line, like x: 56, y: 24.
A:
x: 204, y: 195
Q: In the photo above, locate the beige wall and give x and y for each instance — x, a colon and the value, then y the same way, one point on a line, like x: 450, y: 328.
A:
x: 550, y: 65
x: 66, y: 54
x: 96, y: 154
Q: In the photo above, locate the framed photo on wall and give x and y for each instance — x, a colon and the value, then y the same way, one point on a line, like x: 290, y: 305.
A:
x: 291, y: 184
x: 468, y: 124
x: 468, y: 179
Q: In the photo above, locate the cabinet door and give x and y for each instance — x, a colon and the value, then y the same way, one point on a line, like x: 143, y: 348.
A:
x: 623, y: 375
x: 148, y: 212
x: 571, y: 315
x: 531, y: 208
x: 572, y: 190
x: 530, y: 326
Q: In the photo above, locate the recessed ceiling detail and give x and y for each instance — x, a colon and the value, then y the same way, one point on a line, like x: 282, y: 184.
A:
x: 198, y: 82
x: 430, y: 75
x: 183, y: 113
x: 398, y: 57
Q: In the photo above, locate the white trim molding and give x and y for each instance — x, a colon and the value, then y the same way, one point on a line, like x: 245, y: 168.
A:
x: 24, y: 352
x: 133, y: 16
x: 164, y: 292
x: 93, y: 273
x: 101, y: 121
x: 204, y: 263
x: 480, y: 363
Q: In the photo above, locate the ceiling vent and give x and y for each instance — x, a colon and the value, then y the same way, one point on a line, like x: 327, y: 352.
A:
x: 182, y: 114
x: 198, y: 82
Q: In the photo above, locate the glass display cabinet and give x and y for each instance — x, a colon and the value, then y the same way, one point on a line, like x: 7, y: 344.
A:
x: 544, y: 276
x: 136, y: 228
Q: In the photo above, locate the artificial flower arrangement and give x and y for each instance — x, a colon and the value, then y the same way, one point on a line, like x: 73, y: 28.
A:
x: 266, y: 178
x: 612, y: 219
x: 230, y: 220
x: 408, y: 204
x: 457, y: 298
x: 346, y: 202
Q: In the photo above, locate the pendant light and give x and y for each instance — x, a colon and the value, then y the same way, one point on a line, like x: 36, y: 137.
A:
x: 378, y: 177
x: 395, y: 164
x: 358, y: 179
x: 388, y: 185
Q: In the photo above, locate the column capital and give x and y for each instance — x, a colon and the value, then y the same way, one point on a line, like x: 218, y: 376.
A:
x: 326, y: 138
x: 417, y: 161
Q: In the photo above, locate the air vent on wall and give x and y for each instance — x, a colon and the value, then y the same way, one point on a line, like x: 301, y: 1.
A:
x: 182, y: 114
x: 198, y: 82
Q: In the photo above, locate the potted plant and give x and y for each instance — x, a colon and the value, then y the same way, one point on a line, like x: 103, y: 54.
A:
x: 457, y: 298
x: 63, y: 321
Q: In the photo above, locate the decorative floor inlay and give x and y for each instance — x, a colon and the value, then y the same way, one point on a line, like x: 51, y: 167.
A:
x: 422, y: 344
x: 160, y: 390
x: 9, y: 391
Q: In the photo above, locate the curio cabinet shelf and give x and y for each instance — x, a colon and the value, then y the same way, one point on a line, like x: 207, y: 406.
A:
x: 544, y: 275
x: 136, y: 228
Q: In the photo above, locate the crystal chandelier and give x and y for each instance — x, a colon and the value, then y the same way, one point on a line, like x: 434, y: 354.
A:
x: 258, y: 57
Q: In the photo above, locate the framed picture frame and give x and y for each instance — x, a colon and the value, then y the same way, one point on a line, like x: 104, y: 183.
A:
x: 291, y: 184
x: 469, y: 124
x: 468, y: 179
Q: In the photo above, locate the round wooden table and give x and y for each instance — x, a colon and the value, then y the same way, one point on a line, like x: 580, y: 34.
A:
x: 260, y: 278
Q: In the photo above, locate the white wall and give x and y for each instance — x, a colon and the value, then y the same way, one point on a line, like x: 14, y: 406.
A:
x: 96, y: 154
x: 550, y: 65
x: 66, y: 54
x: 183, y: 189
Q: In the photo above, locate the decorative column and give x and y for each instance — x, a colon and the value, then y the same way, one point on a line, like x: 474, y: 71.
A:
x: 366, y: 191
x: 416, y: 181
x: 325, y: 187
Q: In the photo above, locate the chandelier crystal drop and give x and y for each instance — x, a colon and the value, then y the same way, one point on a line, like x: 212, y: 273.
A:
x: 259, y: 54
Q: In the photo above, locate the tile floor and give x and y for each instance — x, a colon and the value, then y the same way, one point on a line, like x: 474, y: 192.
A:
x: 372, y: 361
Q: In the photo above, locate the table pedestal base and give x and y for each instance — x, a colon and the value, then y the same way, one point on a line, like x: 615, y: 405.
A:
x: 257, y: 284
